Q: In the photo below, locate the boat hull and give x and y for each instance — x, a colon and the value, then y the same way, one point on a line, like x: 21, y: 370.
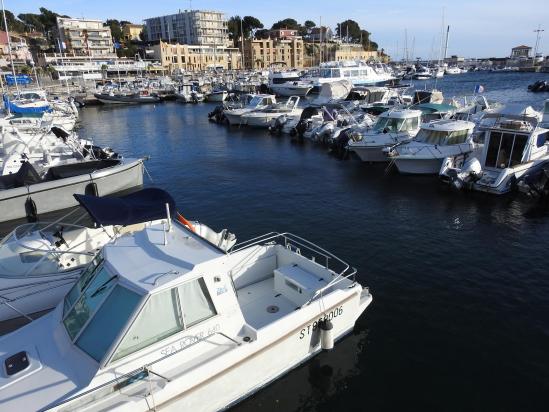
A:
x: 418, y: 166
x: 58, y: 194
x: 370, y: 153
x: 106, y: 99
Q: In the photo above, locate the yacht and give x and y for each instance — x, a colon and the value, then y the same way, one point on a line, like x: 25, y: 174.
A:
x: 257, y: 102
x: 217, y: 95
x: 514, y: 144
x: 167, y: 320
x: 264, y: 117
x: 434, y: 142
x: 359, y: 73
x: 40, y: 262
x: 391, y: 127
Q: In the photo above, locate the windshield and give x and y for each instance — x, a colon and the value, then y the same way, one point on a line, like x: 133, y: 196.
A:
x: 442, y: 137
x: 255, y: 101
x: 96, y: 290
x: 81, y: 284
x: 546, y: 107
x: 388, y: 124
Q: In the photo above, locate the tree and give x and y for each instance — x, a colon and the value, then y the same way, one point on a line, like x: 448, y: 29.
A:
x: 233, y: 27
x: 116, y: 30
x: 309, y: 24
x: 287, y: 23
x: 349, y: 30
x: 262, y: 34
x: 14, y: 24
x: 250, y: 24
x: 143, y: 34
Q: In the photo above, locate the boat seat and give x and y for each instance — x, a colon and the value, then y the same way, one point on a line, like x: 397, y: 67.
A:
x: 295, y: 283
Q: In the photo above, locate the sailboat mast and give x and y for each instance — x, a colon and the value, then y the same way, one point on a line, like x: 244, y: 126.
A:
x: 446, y: 45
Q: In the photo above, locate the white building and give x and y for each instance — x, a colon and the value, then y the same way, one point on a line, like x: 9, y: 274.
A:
x: 194, y: 27
x: 84, y: 37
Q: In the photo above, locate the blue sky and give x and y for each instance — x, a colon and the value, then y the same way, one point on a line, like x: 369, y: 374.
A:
x: 479, y: 28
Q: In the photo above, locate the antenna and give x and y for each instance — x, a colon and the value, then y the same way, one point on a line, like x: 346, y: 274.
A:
x: 538, y: 36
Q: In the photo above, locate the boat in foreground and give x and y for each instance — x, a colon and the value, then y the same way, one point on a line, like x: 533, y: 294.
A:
x: 39, y: 262
x: 168, y: 321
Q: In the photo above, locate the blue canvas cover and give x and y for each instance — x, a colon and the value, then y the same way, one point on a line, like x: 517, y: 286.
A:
x: 141, y: 206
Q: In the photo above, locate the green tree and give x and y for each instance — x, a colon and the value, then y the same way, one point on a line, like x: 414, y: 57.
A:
x: 349, y: 30
x: 14, y: 24
x: 116, y: 30
x: 309, y: 24
x: 287, y: 23
x: 143, y: 34
x: 250, y: 24
x: 233, y: 27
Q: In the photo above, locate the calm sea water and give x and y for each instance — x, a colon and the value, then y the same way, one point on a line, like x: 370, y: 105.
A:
x: 460, y: 317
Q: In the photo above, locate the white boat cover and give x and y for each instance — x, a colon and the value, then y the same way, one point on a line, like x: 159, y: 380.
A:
x: 331, y: 91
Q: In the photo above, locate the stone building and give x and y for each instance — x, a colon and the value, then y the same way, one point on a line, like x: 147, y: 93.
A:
x: 185, y: 57
x: 262, y: 53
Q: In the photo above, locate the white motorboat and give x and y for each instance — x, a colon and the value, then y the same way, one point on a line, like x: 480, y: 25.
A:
x: 392, y: 127
x: 264, y: 117
x: 452, y: 70
x: 39, y: 262
x: 294, y: 88
x: 514, y: 144
x: 137, y: 97
x: 258, y: 102
x: 166, y: 319
x: 217, y: 96
x: 434, y: 142
x: 359, y: 73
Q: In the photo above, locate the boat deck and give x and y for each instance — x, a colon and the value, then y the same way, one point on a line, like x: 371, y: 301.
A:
x: 257, y: 298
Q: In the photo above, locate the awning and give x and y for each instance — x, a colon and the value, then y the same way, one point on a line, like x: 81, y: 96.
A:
x: 138, y: 207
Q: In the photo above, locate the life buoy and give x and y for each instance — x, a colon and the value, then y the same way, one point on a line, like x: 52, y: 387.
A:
x: 185, y: 222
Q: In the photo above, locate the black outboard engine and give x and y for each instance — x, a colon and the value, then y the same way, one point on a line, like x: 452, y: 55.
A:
x: 217, y: 114
x: 278, y: 125
x: 339, y: 146
x: 536, y: 182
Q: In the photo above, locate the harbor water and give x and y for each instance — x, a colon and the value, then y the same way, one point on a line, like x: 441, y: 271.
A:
x: 460, y: 317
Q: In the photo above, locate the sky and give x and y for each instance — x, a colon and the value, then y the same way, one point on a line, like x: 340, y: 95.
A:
x: 478, y: 28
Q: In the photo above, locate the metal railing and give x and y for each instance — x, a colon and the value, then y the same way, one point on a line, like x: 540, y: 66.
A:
x: 295, y: 244
x: 141, y: 369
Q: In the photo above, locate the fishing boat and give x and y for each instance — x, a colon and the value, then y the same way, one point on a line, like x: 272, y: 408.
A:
x: 40, y: 262
x: 514, y: 144
x: 391, y: 127
x: 257, y: 102
x: 166, y: 319
x: 434, y: 142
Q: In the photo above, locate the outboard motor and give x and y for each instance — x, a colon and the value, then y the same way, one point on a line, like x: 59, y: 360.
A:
x: 339, y: 146
x: 278, y: 124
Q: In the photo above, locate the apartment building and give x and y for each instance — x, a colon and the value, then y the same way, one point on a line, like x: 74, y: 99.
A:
x: 84, y: 37
x: 351, y: 51
x: 262, y: 53
x: 184, y: 57
x: 194, y: 27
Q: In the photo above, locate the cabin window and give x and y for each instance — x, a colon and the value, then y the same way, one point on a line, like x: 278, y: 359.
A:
x: 88, y: 302
x: 347, y: 73
x: 336, y: 73
x: 159, y: 319
x: 493, y: 148
x: 518, y: 149
x: 100, y: 333
x: 411, y: 123
x: 457, y: 137
x: 541, y: 139
x: 81, y: 284
x: 196, y: 302
x: 505, y: 150
x: 434, y: 137
x: 388, y: 125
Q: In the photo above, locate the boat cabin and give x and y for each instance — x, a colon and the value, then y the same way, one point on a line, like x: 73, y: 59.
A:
x: 398, y: 121
x: 514, y: 139
x: 445, y: 132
